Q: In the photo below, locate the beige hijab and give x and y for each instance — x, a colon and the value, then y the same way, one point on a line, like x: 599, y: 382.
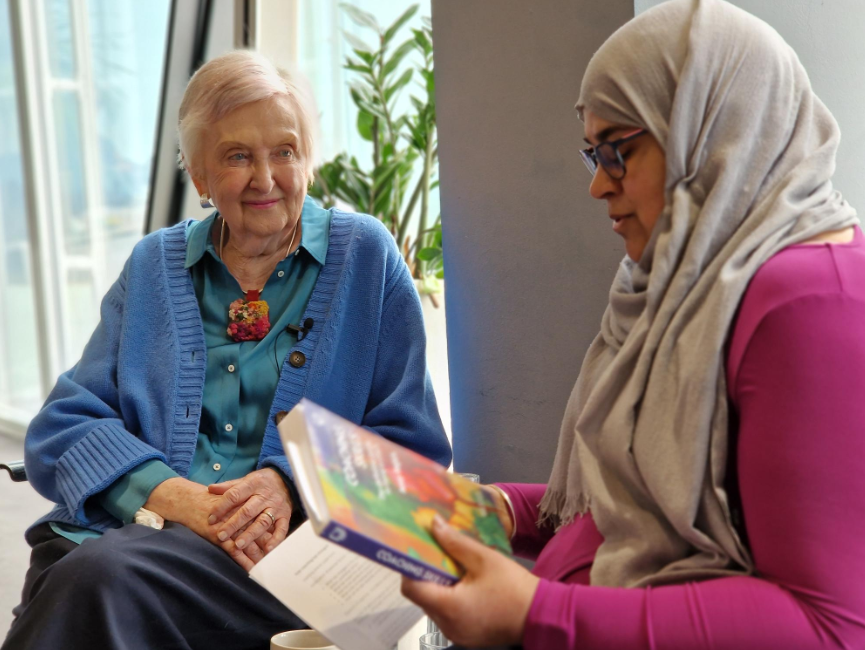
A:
x: 750, y: 156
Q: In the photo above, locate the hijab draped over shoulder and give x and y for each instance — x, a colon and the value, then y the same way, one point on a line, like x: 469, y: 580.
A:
x: 750, y: 154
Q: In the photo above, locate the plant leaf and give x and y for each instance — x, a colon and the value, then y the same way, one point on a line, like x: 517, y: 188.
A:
x: 422, y: 42
x: 364, y: 125
x: 359, y: 92
x: 365, y: 56
x: 369, y: 107
x: 429, y: 76
x: 360, y: 17
x: 399, y: 22
x: 429, y: 254
x: 357, y: 44
x: 357, y: 67
x: 384, y: 174
x: 398, y: 84
x: 359, y: 190
x: 382, y: 204
x: 398, y: 55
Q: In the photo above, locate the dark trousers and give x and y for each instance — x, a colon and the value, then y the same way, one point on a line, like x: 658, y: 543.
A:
x: 136, y: 587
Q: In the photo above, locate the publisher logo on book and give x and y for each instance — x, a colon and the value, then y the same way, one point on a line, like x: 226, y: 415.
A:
x: 337, y: 535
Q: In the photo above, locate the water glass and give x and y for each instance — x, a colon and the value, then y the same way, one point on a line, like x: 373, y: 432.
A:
x: 434, y: 635
x: 434, y: 641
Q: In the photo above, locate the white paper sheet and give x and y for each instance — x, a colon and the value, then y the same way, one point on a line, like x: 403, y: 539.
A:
x: 353, y: 601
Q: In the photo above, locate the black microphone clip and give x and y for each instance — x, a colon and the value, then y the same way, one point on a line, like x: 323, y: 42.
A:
x: 301, y: 330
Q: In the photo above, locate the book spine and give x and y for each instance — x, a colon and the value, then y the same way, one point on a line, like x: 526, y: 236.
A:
x: 385, y: 555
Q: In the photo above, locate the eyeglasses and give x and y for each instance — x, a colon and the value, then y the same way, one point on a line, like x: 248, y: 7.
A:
x: 607, y: 155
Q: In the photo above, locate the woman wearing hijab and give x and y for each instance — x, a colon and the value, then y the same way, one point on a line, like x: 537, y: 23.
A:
x: 706, y: 491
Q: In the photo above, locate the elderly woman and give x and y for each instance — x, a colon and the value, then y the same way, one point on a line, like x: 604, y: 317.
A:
x: 211, y: 329
x: 707, y: 489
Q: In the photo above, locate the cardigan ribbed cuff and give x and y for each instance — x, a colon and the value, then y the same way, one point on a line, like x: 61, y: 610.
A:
x: 96, y: 461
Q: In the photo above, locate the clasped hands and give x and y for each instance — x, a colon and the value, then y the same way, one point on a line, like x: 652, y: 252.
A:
x: 232, y: 515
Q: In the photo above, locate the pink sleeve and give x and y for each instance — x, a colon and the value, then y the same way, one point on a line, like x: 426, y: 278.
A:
x: 528, y: 540
x: 800, y: 394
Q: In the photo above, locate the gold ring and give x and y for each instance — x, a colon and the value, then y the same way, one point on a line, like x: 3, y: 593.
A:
x: 270, y: 514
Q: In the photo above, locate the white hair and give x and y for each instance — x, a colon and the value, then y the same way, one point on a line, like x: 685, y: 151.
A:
x: 230, y: 81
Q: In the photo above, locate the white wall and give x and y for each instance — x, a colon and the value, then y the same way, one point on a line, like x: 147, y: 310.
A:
x: 529, y: 257
x: 828, y: 39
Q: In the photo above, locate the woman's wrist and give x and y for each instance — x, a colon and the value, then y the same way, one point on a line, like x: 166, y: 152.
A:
x: 504, y: 504
x: 166, y: 497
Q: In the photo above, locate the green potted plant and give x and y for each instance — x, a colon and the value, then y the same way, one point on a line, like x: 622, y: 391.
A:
x: 395, y: 185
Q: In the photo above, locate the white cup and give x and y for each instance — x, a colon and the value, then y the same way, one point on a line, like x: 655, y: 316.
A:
x: 301, y: 640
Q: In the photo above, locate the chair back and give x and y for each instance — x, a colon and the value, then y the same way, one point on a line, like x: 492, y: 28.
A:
x: 16, y: 470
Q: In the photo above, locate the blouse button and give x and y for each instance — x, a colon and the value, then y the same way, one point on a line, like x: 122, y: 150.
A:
x: 228, y: 427
x: 231, y: 368
x: 216, y: 467
x: 280, y: 274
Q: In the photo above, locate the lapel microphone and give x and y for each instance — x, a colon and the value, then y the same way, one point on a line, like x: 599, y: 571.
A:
x: 301, y: 330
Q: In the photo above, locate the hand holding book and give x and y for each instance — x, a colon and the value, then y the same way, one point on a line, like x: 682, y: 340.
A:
x: 505, y: 588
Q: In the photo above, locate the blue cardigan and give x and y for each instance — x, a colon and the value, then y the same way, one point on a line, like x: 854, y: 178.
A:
x: 136, y: 392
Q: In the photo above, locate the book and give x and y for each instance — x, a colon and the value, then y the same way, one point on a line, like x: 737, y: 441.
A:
x: 353, y: 601
x: 378, y: 499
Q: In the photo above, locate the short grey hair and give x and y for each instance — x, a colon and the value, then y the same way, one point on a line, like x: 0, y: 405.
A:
x: 230, y: 81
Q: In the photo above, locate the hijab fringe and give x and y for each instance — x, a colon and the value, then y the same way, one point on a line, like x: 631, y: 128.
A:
x: 560, y: 508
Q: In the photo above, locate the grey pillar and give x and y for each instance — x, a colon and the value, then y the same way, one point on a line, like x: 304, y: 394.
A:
x: 529, y: 256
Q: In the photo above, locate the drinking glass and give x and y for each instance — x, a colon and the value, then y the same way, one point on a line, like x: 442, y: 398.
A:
x: 434, y: 641
x: 433, y: 633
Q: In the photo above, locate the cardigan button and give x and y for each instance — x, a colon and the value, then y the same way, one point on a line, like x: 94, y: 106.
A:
x: 297, y: 359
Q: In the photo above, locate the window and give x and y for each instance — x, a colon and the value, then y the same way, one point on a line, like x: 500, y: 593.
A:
x: 92, y: 70
x: 19, y: 372
x: 321, y: 52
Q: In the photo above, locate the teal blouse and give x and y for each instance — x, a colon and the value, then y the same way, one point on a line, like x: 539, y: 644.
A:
x: 240, y: 378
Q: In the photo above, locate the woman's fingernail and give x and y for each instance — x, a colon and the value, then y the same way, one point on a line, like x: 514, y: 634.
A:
x: 211, y: 519
x: 241, y: 543
x: 222, y: 536
x: 439, y: 523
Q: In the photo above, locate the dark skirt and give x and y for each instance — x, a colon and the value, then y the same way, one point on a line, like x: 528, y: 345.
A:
x: 136, y: 587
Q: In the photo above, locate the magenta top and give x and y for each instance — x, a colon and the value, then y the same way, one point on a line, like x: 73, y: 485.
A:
x: 796, y: 377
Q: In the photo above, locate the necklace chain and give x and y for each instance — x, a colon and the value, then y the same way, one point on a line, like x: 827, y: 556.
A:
x: 287, y: 251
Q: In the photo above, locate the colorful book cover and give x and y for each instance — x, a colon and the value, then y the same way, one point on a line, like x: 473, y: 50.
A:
x: 381, y: 498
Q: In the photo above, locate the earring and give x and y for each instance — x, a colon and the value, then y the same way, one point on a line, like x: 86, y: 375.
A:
x: 205, y: 201
x: 221, y: 235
